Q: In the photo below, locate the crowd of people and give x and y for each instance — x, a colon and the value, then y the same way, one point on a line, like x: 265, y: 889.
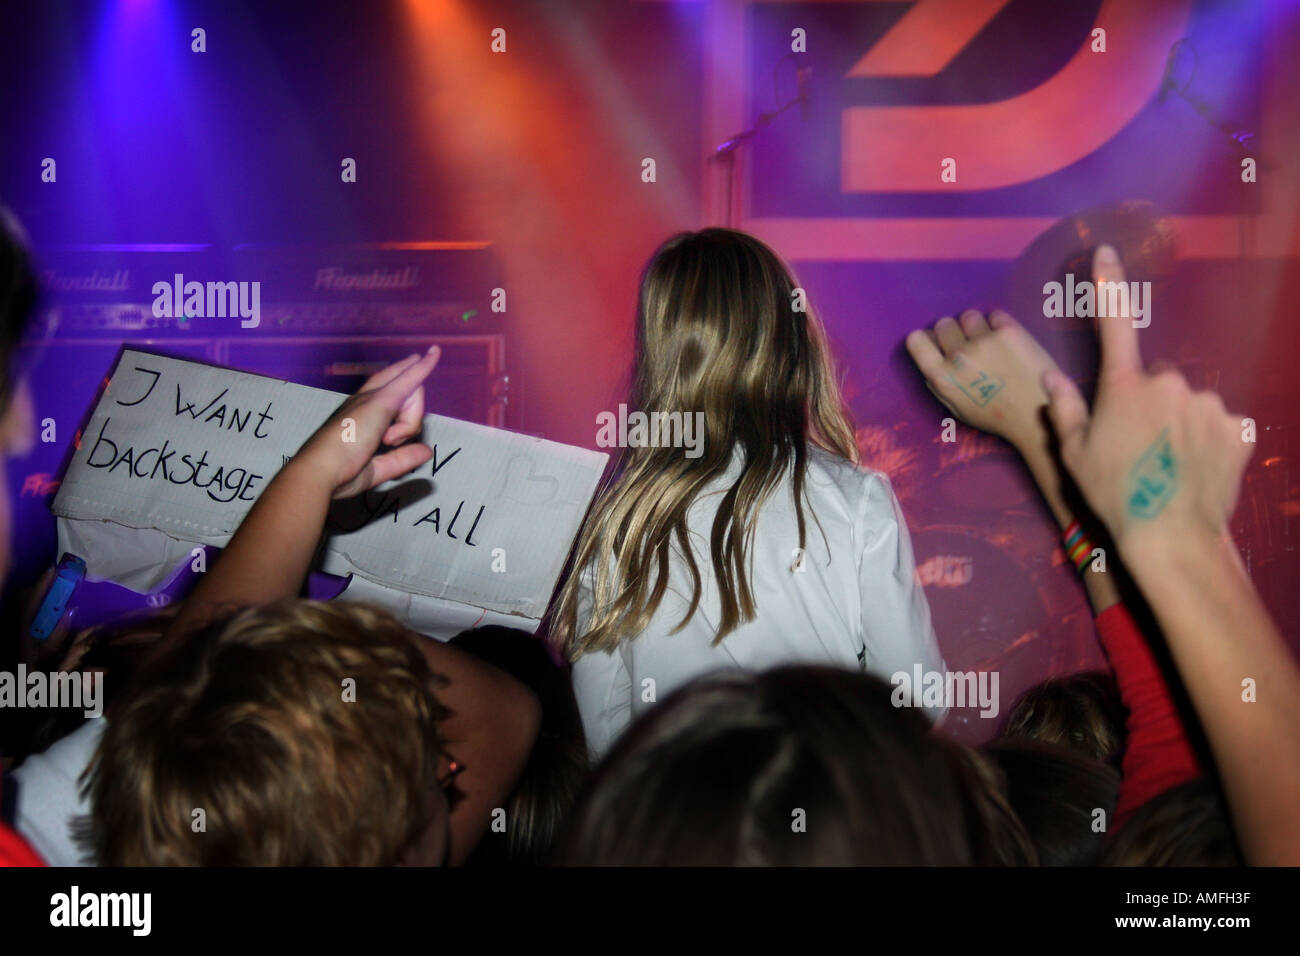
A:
x: 712, y: 684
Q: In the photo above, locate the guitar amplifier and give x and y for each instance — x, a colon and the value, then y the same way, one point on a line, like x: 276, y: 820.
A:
x: 327, y: 317
x: 181, y: 290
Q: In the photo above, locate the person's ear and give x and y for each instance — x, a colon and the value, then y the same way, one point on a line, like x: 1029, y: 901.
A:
x: 18, y: 424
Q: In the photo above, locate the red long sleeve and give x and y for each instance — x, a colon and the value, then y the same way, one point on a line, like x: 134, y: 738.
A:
x: 1159, y: 754
x: 14, y: 850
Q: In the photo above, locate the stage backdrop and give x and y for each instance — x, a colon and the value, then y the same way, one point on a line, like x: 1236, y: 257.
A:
x: 921, y: 157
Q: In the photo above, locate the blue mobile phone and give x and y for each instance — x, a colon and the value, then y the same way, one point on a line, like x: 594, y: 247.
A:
x: 70, y: 573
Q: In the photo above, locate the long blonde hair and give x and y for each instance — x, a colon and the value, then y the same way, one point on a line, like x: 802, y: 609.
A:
x: 723, y: 329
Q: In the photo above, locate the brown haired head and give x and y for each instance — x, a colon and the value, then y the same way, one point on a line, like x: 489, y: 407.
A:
x: 724, y: 333
x: 1080, y: 711
x: 248, y: 721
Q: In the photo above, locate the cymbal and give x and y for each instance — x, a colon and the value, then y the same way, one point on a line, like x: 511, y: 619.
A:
x: 1143, y: 235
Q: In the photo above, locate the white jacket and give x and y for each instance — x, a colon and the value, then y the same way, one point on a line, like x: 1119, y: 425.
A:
x: 854, y: 604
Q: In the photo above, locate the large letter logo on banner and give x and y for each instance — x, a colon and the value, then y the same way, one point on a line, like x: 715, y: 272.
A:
x: 899, y: 148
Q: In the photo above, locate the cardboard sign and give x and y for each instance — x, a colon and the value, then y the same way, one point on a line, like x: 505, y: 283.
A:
x: 186, y: 448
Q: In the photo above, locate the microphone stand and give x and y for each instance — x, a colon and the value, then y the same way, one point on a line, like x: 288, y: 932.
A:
x: 725, y: 152
x: 1239, y: 138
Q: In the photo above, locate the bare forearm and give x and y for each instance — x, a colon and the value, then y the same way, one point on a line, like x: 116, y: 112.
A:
x: 1224, y: 642
x: 1102, y: 590
x: 270, y: 553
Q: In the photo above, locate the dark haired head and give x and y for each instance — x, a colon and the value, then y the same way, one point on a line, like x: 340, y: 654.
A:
x: 17, y: 302
x: 1064, y: 799
x: 557, y: 767
x: 18, y: 298
x: 1000, y: 837
x: 796, y: 766
x: 1187, y: 825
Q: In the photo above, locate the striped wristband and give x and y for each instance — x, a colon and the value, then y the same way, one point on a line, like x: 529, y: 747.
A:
x: 1078, y: 547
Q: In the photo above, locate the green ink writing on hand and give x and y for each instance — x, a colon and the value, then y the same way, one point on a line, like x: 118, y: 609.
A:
x: 1154, y: 479
x: 979, y: 389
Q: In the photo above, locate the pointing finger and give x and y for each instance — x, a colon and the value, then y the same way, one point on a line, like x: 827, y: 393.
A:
x: 388, y: 373
x: 395, y: 393
x: 1119, y: 339
x: 398, y: 462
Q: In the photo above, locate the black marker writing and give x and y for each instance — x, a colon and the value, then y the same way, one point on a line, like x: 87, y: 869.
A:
x: 222, y: 483
x: 148, y: 392
x: 209, y: 414
x: 436, y: 465
x: 434, y: 518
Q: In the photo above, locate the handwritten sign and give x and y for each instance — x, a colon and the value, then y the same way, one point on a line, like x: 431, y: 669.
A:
x: 186, y: 448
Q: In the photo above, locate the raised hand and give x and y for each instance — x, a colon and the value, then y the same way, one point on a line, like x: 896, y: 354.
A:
x: 387, y: 410
x: 269, y: 555
x: 988, y: 373
x: 1154, y: 458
